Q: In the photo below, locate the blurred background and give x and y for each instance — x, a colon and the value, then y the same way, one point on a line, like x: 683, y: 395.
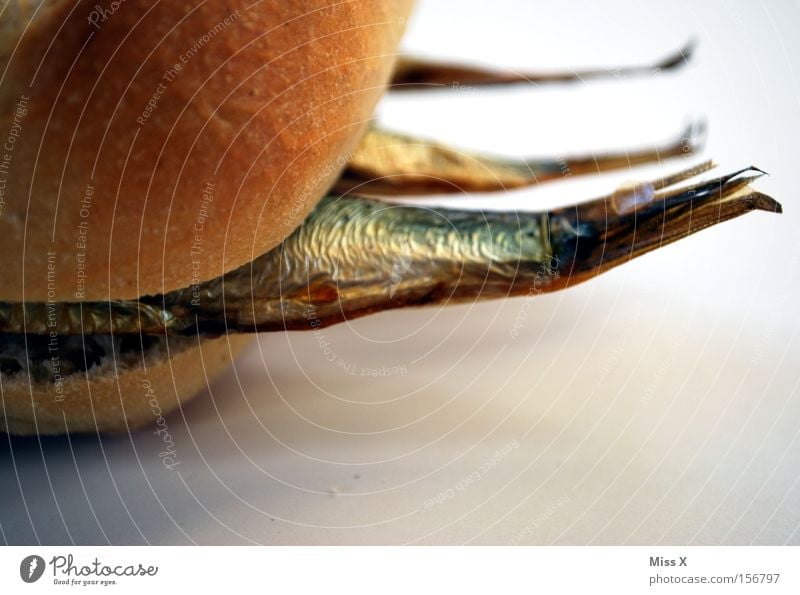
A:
x: 657, y: 404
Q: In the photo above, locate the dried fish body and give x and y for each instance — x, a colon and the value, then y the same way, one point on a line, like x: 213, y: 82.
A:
x: 354, y: 256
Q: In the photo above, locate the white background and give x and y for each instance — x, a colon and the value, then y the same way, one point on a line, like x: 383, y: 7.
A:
x: 655, y: 405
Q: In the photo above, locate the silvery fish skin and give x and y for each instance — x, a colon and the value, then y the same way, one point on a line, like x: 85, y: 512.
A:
x: 354, y: 256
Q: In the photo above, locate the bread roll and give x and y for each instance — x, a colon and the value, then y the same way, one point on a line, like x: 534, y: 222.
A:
x: 152, y: 145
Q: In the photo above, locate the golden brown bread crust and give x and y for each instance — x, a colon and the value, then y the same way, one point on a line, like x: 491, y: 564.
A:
x: 161, y: 144
x: 116, y: 397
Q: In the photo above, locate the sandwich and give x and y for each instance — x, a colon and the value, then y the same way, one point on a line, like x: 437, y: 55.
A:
x: 178, y: 176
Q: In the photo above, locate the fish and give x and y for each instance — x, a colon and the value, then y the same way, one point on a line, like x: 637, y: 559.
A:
x: 354, y: 256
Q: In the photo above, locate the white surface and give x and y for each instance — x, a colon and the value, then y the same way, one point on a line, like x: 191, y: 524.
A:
x: 657, y: 404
